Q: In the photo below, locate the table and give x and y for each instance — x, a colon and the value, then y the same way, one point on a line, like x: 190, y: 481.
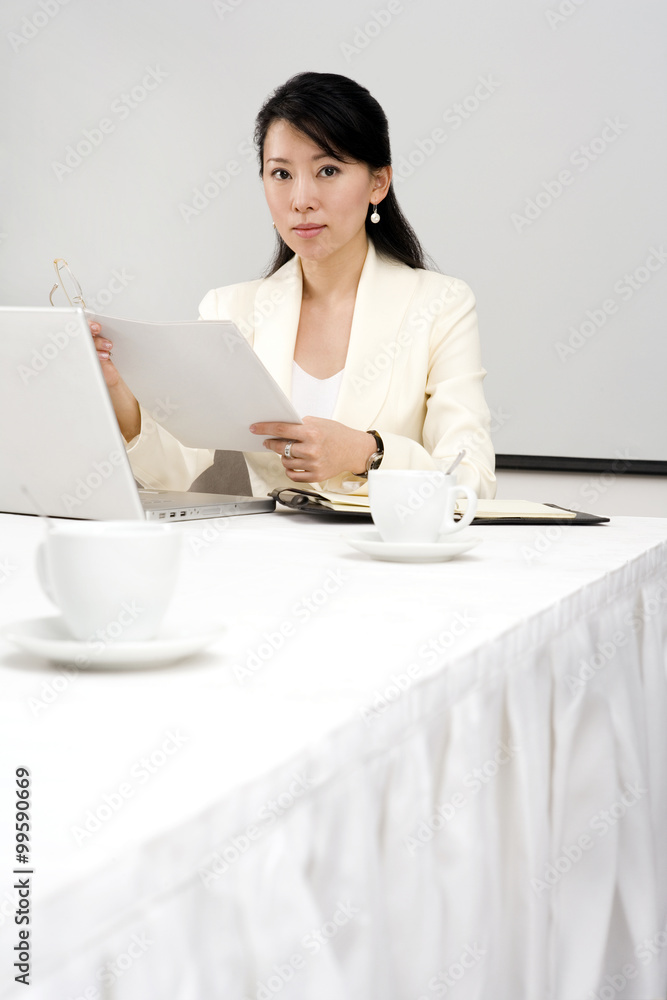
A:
x: 392, y: 781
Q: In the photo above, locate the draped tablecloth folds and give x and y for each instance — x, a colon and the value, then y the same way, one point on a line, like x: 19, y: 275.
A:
x: 382, y: 782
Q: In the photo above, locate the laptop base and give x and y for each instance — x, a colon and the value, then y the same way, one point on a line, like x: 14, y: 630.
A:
x: 164, y: 505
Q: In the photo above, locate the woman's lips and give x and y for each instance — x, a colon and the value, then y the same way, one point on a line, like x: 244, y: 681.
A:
x: 308, y: 231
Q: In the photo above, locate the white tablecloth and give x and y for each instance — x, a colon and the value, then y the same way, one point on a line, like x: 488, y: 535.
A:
x: 391, y: 781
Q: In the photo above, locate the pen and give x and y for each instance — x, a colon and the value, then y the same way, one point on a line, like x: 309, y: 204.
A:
x: 455, y: 462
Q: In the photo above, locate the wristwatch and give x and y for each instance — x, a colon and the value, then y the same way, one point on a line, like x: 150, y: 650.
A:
x: 374, y: 460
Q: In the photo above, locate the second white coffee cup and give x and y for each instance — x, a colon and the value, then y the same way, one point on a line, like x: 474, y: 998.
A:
x: 111, y: 580
x: 415, y: 505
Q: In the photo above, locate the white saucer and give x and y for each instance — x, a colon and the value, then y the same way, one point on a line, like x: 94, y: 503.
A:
x: 447, y: 547
x: 48, y: 637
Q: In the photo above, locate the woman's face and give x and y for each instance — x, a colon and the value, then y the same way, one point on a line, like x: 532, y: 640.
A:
x: 319, y: 205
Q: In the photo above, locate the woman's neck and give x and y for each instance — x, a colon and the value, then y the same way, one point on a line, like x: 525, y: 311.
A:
x: 337, y: 276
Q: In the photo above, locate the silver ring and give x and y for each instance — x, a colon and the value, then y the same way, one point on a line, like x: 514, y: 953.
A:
x: 288, y: 449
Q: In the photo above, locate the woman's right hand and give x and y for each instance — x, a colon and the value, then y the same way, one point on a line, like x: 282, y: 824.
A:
x: 104, y: 348
x: 124, y: 403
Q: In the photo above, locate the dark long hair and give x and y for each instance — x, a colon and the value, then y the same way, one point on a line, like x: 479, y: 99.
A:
x: 344, y: 120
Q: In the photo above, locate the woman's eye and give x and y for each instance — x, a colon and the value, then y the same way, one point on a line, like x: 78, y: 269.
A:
x: 280, y: 174
x: 329, y: 171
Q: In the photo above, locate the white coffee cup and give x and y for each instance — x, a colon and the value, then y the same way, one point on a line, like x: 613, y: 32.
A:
x: 415, y: 505
x: 111, y: 580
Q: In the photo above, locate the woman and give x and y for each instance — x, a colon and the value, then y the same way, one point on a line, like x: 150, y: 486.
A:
x: 380, y: 355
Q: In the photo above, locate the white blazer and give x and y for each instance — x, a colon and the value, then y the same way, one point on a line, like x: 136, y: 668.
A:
x: 413, y: 372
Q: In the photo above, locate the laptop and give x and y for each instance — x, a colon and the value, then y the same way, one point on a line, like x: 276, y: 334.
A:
x: 61, y: 441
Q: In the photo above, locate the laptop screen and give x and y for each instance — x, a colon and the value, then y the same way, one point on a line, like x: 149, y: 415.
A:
x: 61, y: 439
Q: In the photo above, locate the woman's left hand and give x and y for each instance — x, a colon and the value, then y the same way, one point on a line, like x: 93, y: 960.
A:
x: 320, y: 449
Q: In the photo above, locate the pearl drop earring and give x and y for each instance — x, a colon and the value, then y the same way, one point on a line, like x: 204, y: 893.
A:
x: 375, y: 217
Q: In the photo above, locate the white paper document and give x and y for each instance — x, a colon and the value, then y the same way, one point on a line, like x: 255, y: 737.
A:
x: 200, y: 379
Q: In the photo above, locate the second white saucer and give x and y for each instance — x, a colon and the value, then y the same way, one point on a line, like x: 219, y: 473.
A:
x: 48, y: 638
x: 447, y: 547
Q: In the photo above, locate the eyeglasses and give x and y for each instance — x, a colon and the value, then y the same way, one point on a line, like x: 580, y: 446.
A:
x: 311, y: 503
x: 67, y: 283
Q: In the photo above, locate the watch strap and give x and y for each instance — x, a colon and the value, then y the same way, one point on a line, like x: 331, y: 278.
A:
x: 374, y: 460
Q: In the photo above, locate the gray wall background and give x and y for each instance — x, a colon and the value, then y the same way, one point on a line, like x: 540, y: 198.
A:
x: 126, y: 149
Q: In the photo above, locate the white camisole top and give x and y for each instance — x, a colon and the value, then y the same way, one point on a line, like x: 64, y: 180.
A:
x: 315, y: 397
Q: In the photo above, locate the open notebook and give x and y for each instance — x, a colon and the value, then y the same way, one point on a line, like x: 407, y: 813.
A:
x: 488, y: 511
